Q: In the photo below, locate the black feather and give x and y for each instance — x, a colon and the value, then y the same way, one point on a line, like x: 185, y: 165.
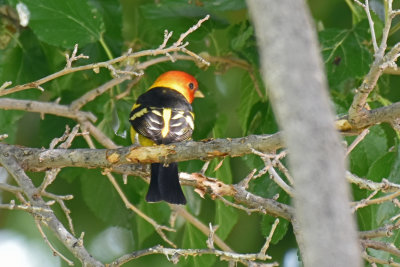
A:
x: 164, y: 184
x: 147, y: 120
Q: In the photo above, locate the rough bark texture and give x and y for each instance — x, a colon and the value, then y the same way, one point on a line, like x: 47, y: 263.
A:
x: 293, y: 71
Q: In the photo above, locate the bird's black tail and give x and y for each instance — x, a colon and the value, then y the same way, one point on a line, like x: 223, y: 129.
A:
x: 164, y: 184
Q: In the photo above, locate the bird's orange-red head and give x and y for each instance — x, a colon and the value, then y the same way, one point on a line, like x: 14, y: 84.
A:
x: 179, y: 81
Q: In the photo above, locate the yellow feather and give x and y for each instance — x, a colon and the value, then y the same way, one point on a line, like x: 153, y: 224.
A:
x: 135, y: 106
x: 143, y: 141
x: 138, y: 114
x: 166, y: 117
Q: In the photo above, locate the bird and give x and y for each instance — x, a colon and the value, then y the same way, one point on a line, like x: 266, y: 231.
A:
x: 160, y: 116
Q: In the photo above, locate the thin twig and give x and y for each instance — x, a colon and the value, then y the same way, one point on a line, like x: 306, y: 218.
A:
x: 356, y: 141
x: 192, y: 29
x: 167, y: 35
x: 383, y: 246
x: 5, y: 85
x: 364, y: 202
x: 278, y: 180
x: 384, y: 186
x: 159, y: 228
x: 245, y: 182
x: 357, y: 109
x: 28, y: 208
x: 371, y: 23
x: 177, y: 46
x: 374, y: 260
x: 199, y: 225
x: 92, y: 94
x: 240, y: 207
x: 60, y: 200
x: 45, y: 107
x: 8, y: 161
x: 210, y: 240
x: 55, y: 251
x: 10, y: 188
x: 273, y: 174
x: 174, y: 255
x: 264, y: 249
x: 384, y: 231
x: 74, y: 57
x: 369, y: 201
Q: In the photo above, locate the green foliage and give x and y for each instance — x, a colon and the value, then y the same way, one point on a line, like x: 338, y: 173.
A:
x: 193, y: 238
x: 71, y: 22
x: 346, y: 54
x: 235, y: 105
x: 372, y: 147
x: 102, y: 198
x: 281, y: 229
x: 20, y: 64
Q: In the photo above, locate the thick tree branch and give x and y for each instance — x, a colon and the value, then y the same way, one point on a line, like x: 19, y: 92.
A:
x: 35, y: 159
x: 215, y: 187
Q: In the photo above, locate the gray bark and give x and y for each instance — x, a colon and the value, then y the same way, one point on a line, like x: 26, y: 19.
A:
x: 293, y: 70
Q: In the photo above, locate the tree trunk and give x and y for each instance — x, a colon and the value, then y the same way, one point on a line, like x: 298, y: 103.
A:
x: 293, y: 71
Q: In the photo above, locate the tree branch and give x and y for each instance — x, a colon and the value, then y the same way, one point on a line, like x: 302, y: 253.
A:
x: 177, y: 253
x: 287, y: 41
x: 45, y: 108
x: 11, y: 164
x: 176, y: 47
x: 357, y: 110
x: 35, y: 159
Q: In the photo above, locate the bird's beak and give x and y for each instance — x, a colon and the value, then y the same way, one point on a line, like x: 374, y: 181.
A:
x: 198, y: 94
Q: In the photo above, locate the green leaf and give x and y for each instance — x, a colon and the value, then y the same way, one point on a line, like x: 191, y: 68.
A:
x: 345, y: 53
x: 25, y: 62
x: 375, y: 216
x: 373, y: 146
x: 9, y: 121
x: 112, y: 16
x: 179, y: 15
x: 193, y: 238
x: 248, y: 98
x: 176, y: 9
x: 226, y: 218
x: 357, y: 11
x: 243, y: 43
x: 157, y: 211
x: 280, y: 231
x: 102, y: 198
x: 65, y: 23
x: 241, y: 40
x: 224, y: 5
x: 255, y: 114
x: 261, y: 119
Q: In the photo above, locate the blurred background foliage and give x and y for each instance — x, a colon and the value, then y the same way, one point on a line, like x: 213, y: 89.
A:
x: 235, y: 105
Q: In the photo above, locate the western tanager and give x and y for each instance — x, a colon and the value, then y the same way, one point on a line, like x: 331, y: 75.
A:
x: 163, y: 115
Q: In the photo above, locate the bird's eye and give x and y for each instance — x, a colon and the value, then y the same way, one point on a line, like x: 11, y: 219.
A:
x: 191, y: 86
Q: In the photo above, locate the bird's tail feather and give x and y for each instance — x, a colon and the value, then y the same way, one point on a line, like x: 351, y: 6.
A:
x: 164, y: 184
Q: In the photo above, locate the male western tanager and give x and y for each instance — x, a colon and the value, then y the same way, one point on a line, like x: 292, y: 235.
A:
x: 163, y: 115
